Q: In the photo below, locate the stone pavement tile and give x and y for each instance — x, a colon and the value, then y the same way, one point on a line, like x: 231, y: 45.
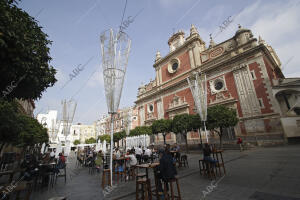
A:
x: 272, y: 171
x: 284, y: 186
x: 82, y: 186
x: 267, y: 196
x: 230, y: 192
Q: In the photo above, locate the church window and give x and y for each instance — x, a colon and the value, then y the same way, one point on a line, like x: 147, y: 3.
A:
x: 173, y: 66
x: 261, y: 103
x: 253, y: 75
x: 150, y: 108
x: 219, y: 84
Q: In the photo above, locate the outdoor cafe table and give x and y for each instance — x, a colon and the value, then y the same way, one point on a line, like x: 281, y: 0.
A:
x: 149, y: 166
x: 11, y: 173
x: 122, y: 161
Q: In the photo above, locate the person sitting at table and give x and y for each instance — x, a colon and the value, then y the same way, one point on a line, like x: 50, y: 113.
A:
x: 117, y: 153
x: 46, y: 158
x: 176, y: 148
x: 61, y: 163
x: 207, y: 154
x: 132, y: 161
x: 52, y: 154
x: 31, y: 167
x: 166, y: 170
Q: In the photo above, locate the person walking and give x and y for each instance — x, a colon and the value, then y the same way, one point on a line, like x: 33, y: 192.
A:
x: 240, y: 143
x: 138, y: 154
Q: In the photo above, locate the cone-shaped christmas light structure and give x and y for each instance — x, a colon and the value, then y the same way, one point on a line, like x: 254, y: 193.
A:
x: 115, y: 50
x: 198, y: 87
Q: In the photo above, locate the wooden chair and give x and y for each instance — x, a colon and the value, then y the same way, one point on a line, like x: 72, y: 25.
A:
x: 106, y: 174
x: 131, y: 173
x: 169, y: 193
x: 143, y: 187
x: 62, y: 174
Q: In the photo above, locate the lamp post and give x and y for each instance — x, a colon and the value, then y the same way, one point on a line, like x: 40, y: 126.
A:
x: 115, y: 49
x: 198, y: 87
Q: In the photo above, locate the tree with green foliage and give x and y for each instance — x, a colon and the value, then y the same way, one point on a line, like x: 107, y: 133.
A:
x: 31, y: 132
x: 105, y: 137
x: 182, y: 124
x: 141, y: 130
x: 220, y: 117
x: 119, y: 136
x: 163, y: 126
x: 91, y: 140
x: 19, y: 129
x: 9, y: 129
x: 25, y: 71
x: 76, y: 142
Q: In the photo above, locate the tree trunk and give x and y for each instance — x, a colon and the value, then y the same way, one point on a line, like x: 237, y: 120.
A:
x: 152, y: 139
x: 220, y: 136
x: 164, y: 135
x: 1, y: 147
x: 186, y: 143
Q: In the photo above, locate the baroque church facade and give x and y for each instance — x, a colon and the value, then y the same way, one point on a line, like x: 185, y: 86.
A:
x: 240, y: 71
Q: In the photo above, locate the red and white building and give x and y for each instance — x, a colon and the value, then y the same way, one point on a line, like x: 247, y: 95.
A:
x: 241, y: 72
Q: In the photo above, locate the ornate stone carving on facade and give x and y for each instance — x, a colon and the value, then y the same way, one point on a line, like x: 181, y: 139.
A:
x: 158, y: 56
x: 150, y: 116
x: 141, y: 89
x: 239, y: 67
x: 221, y: 97
x: 211, y: 42
x: 193, y: 30
x: 177, y: 102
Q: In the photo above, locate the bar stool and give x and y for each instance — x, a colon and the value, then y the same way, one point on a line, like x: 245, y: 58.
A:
x: 106, y: 172
x: 143, y: 186
x: 220, y: 162
x: 183, y: 161
x: 209, y: 169
x: 201, y: 166
x: 132, y: 173
x: 171, y: 195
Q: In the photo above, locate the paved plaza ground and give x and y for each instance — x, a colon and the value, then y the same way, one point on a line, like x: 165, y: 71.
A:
x: 259, y: 174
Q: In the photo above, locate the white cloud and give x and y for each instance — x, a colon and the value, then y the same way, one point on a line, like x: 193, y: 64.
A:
x: 277, y: 23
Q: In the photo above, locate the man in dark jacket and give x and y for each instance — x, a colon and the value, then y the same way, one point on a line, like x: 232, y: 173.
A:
x: 166, y: 168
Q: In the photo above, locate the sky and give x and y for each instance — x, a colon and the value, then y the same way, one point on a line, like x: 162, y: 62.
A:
x: 74, y: 27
